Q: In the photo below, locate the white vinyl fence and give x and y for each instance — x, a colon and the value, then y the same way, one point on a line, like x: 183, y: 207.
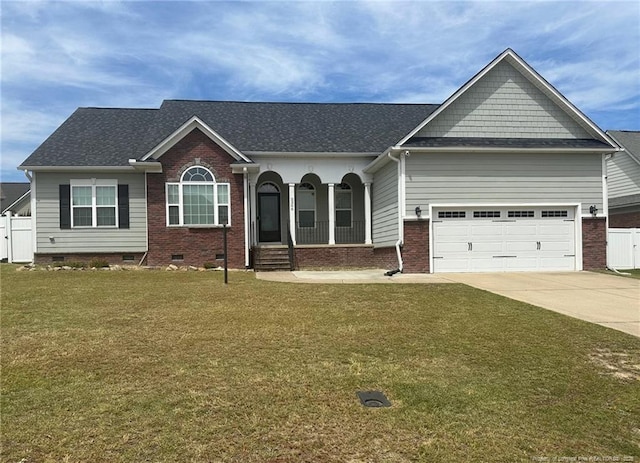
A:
x: 16, y: 239
x: 623, y: 248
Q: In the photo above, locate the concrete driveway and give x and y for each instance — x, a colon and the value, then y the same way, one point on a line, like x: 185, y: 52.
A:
x: 607, y: 300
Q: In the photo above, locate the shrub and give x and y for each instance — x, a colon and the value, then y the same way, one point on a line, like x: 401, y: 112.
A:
x: 209, y: 265
x: 98, y: 263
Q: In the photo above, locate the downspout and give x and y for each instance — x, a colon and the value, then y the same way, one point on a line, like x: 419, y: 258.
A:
x: 400, y: 205
x: 605, y: 203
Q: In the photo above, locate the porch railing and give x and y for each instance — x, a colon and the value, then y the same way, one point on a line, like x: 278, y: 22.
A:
x: 318, y: 233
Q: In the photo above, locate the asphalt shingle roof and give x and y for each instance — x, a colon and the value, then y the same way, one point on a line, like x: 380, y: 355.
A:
x: 10, y: 192
x: 112, y: 136
x: 630, y: 141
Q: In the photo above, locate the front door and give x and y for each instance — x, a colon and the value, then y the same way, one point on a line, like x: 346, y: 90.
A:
x: 269, y: 217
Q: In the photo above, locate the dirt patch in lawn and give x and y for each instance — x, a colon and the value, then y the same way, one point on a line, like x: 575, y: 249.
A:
x: 622, y: 365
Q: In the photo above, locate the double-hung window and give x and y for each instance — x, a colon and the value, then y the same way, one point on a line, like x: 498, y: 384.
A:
x: 306, y: 206
x: 198, y: 200
x: 94, y: 203
x: 343, y: 205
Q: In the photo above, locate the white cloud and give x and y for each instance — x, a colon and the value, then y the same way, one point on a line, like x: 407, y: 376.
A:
x: 60, y: 55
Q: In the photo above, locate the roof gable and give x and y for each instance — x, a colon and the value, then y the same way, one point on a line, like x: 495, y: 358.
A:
x: 186, y: 128
x: 508, y: 99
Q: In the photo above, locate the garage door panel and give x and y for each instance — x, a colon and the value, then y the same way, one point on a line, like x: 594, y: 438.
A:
x: 553, y: 246
x: 557, y: 263
x: 520, y: 264
x: 448, y: 248
x: 451, y: 231
x: 486, y: 265
x: 478, y: 231
x: 488, y: 241
x: 520, y: 229
x: 521, y: 246
x: 488, y: 247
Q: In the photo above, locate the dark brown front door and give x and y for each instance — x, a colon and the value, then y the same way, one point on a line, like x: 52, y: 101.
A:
x: 269, y: 217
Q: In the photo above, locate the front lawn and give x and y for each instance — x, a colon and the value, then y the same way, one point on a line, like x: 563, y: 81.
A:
x: 159, y: 366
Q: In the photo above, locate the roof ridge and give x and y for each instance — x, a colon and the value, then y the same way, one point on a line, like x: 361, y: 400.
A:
x: 340, y: 103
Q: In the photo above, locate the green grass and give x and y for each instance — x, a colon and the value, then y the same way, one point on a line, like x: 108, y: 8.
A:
x: 175, y: 366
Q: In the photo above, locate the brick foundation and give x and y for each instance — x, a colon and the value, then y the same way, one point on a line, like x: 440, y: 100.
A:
x: 132, y: 258
x: 594, y: 244
x: 624, y: 220
x: 346, y: 257
x: 197, y: 246
x: 415, y: 249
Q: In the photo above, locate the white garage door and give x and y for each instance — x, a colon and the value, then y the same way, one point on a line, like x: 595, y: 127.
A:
x: 503, y: 239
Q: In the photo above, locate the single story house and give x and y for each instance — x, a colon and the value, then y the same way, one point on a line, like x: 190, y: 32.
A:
x: 505, y: 175
x: 623, y: 180
x: 15, y: 198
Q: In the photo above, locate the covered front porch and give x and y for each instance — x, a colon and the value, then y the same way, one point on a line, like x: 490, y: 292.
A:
x: 310, y: 211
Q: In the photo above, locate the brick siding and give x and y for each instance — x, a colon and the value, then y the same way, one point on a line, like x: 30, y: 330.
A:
x: 197, y: 245
x: 346, y: 257
x: 415, y: 249
x: 625, y: 220
x: 594, y: 244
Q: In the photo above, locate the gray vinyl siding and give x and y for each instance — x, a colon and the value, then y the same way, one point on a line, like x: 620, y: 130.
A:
x: 623, y: 175
x: 88, y: 240
x: 503, y: 178
x: 384, y: 192
x: 504, y: 104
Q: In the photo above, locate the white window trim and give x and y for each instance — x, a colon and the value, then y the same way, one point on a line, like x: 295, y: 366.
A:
x: 93, y: 183
x: 337, y: 191
x: 216, y: 205
x: 315, y: 205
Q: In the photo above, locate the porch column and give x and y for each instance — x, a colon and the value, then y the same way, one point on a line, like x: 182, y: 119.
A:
x: 292, y: 211
x: 247, y: 233
x: 367, y: 213
x: 332, y: 214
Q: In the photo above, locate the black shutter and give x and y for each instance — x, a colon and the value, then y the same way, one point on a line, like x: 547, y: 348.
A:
x: 65, y: 206
x: 123, y: 206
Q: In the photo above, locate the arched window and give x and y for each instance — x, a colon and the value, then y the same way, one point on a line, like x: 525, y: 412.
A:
x: 268, y: 187
x: 344, y: 205
x: 197, y: 199
x: 306, y: 199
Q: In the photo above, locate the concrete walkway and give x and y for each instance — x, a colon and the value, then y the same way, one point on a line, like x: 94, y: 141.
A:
x: 607, y: 300
x: 350, y: 277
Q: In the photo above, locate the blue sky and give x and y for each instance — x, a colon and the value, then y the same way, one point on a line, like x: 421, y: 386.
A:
x: 57, y: 56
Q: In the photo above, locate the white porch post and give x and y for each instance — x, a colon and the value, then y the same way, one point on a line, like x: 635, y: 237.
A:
x: 292, y: 211
x: 245, y: 185
x: 367, y: 213
x: 332, y: 214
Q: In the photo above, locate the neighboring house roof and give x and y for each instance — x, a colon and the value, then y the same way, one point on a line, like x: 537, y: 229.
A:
x: 11, y: 193
x: 629, y: 140
x: 112, y: 136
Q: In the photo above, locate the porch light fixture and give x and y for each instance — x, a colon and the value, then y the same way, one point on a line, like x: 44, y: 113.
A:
x: 593, y: 210
x: 418, y: 212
